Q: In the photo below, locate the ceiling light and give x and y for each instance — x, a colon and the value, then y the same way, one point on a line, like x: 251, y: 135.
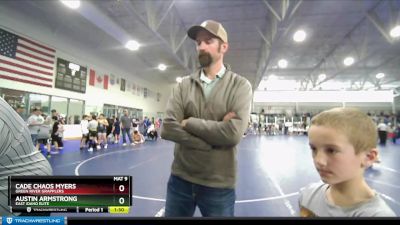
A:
x: 282, y: 63
x: 132, y: 45
x: 395, y: 31
x: 322, y: 76
x: 162, y: 67
x: 73, y: 4
x: 179, y: 79
x: 299, y: 36
x: 348, y: 61
x: 379, y: 75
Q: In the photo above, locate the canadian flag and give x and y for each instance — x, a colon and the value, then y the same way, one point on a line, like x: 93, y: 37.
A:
x: 100, y: 81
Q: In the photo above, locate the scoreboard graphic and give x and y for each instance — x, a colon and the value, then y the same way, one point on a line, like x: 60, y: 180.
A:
x: 77, y: 194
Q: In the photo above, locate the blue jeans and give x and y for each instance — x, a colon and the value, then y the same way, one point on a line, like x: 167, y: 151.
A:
x: 34, y: 139
x: 184, y: 196
x: 126, y: 131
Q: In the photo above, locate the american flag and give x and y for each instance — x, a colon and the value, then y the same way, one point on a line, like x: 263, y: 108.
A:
x: 25, y: 61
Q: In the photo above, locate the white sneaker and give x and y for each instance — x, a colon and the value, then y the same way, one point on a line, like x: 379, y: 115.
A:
x: 133, y: 144
x: 116, y: 142
x: 124, y: 144
x: 98, y: 147
x: 90, y: 149
x: 105, y: 146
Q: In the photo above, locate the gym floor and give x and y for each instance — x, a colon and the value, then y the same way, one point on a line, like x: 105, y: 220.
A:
x: 271, y: 170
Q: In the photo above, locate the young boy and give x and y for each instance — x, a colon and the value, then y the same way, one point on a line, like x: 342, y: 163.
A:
x: 44, y: 134
x: 92, y: 127
x: 85, y: 131
x: 343, y: 145
x: 138, y: 137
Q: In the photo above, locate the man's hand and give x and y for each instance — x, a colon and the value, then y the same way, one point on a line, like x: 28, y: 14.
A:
x: 183, y: 123
x: 229, y: 116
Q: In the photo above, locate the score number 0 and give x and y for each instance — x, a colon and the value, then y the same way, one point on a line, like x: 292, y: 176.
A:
x: 121, y: 200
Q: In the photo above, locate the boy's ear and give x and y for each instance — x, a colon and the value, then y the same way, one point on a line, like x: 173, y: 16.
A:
x: 370, y: 157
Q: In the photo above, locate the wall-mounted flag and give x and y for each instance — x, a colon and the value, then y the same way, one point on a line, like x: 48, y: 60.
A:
x: 97, y: 80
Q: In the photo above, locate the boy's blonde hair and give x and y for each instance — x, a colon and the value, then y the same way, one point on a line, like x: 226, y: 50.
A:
x: 355, y: 125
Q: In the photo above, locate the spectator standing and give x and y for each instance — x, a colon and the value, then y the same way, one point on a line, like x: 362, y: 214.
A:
x: 126, y: 124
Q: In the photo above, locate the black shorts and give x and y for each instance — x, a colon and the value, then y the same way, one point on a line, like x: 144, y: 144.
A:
x: 101, y: 130
x: 92, y: 133
x: 44, y: 141
x: 85, y: 135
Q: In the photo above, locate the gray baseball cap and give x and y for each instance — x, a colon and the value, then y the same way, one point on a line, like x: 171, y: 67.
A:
x: 211, y: 26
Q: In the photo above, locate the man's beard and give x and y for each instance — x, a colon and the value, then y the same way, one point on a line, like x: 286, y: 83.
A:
x: 205, y: 59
